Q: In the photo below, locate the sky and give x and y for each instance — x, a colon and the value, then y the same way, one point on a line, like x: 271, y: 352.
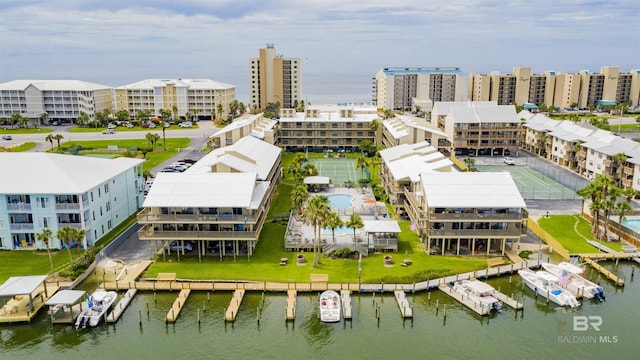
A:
x: 341, y: 43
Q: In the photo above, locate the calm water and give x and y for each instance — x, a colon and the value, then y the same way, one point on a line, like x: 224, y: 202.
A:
x: 541, y: 331
x: 340, y: 201
x: 632, y: 224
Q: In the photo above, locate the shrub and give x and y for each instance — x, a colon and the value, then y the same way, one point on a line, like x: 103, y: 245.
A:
x: 81, y: 263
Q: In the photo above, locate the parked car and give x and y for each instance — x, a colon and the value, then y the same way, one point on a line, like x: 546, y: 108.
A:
x: 152, y: 126
x: 112, y: 126
x: 130, y: 126
x: 509, y: 161
x: 186, y: 124
x: 213, y: 247
x: 169, y: 169
x: 6, y: 137
x: 109, y: 131
x: 176, y: 246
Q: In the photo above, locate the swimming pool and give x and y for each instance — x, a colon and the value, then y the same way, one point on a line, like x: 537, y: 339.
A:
x: 341, y: 231
x: 632, y: 224
x: 340, y: 201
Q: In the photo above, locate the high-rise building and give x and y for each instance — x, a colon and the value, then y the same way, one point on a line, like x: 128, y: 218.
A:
x: 274, y: 79
x: 404, y: 88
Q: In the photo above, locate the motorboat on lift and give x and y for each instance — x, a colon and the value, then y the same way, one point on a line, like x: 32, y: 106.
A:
x: 330, y: 306
x: 479, y: 292
x: 546, y: 284
x: 97, y: 306
x: 569, y: 277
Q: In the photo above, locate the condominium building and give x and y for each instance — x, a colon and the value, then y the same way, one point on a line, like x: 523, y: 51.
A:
x: 478, y: 128
x: 582, y: 89
x: 321, y: 128
x: 48, y: 191
x: 202, y: 98
x: 402, y: 129
x: 256, y: 125
x: 274, y: 79
x: 220, y: 203
x: 470, y: 213
x: 404, y: 88
x: 583, y: 148
x: 46, y: 101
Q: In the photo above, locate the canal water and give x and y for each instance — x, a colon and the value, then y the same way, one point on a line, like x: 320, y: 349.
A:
x: 540, y: 331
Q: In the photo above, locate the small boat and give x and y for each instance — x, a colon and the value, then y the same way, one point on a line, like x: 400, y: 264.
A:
x: 97, y: 306
x: 569, y: 277
x: 546, y: 284
x: 479, y: 292
x: 329, y: 306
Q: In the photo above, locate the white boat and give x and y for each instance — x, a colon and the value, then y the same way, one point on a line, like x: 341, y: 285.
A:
x: 545, y: 284
x: 329, y: 306
x: 479, y: 292
x: 570, y: 279
x: 97, y: 306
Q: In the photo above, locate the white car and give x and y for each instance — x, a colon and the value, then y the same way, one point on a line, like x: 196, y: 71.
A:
x: 186, y: 124
x: 509, y: 161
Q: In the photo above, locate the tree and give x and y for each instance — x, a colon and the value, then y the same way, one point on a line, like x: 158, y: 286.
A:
x: 122, y: 115
x: 619, y: 159
x: 15, y: 118
x: 58, y: 137
x: 174, y: 109
x: 355, y: 222
x: 213, y: 115
x: 82, y: 120
x: 143, y: 115
x: 50, y: 139
x: 387, y: 114
x: 368, y: 147
x: 152, y: 139
x: 622, y: 207
x: 233, y: 108
x: 333, y: 221
x: 299, y: 195
x: 219, y: 108
x: 470, y: 162
x: 45, y: 117
x: 194, y: 113
x: 361, y: 163
x: 45, y: 236
x: 65, y: 235
x: 146, y: 175
x: 78, y: 235
x: 165, y: 114
x: 309, y: 170
x: 315, y: 215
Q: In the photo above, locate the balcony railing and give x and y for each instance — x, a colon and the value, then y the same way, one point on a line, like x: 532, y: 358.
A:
x: 19, y: 206
x: 147, y: 217
x: 21, y: 226
x: 148, y: 233
x: 70, y: 224
x: 67, y: 206
x: 511, y: 232
x: 472, y: 216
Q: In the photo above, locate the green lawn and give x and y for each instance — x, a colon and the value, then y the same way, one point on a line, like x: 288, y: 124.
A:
x: 23, y: 147
x: 24, y: 262
x: 154, y: 158
x: 561, y: 227
x: 9, y: 131
x: 76, y: 129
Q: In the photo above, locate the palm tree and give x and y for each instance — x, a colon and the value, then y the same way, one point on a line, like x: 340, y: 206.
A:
x: 82, y: 119
x: 315, y: 215
x: 65, y: 234
x: 45, y: 117
x: 78, y: 235
x: 622, y: 207
x: 174, y: 109
x: 45, y: 236
x: 619, y: 159
x: 361, y: 163
x: 50, y: 139
x: 309, y: 170
x: 194, y: 113
x: 355, y: 222
x: 219, y: 109
x: 58, y: 137
x: 146, y: 175
x: 15, y: 118
x: 299, y: 195
x: 387, y: 114
x: 333, y: 222
x: 470, y: 162
x: 152, y: 139
x: 165, y: 114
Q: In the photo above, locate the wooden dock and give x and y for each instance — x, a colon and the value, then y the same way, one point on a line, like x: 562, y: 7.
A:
x: 345, y: 298
x: 291, y: 304
x: 121, y: 306
x: 618, y: 281
x: 172, y: 315
x: 403, y: 304
x: 480, y: 310
x: 234, y: 305
x: 508, y: 301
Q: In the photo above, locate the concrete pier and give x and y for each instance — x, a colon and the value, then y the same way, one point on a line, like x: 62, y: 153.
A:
x: 234, y: 305
x: 403, y: 304
x: 121, y: 306
x: 172, y: 315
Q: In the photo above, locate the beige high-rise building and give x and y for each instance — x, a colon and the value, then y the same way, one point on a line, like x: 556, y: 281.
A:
x: 598, y: 89
x: 567, y: 90
x: 274, y: 78
x: 511, y: 88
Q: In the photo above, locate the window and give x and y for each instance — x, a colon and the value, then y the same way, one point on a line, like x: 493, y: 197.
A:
x: 106, y: 188
x: 44, y: 222
x: 108, y: 206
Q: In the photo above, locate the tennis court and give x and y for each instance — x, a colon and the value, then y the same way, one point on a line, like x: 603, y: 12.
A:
x: 340, y: 170
x: 532, y: 184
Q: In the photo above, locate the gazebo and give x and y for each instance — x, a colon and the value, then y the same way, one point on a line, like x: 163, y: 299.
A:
x: 317, y: 183
x: 25, y: 294
x: 382, y: 235
x: 65, y: 306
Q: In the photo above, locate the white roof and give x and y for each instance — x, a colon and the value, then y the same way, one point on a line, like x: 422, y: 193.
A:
x: 381, y: 226
x: 258, y: 122
x: 444, y: 107
x: 239, y: 190
x: 322, y: 180
x: 53, y: 85
x: 21, y: 285
x: 485, y: 114
x: 408, y: 161
x: 195, y: 84
x: 399, y: 126
x: 65, y: 297
x: 471, y: 190
x: 45, y: 173
x: 248, y: 154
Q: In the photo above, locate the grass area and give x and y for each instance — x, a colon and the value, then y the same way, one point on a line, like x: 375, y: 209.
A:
x: 573, y: 237
x: 25, y: 262
x: 154, y: 158
x: 13, y: 131
x: 126, y: 129
x: 21, y: 148
x: 264, y: 264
